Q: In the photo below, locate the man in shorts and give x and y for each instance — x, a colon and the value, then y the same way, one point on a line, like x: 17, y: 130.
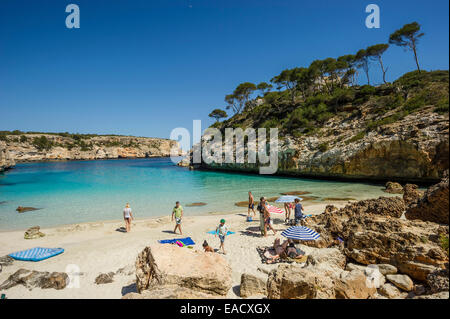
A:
x: 251, y: 204
x: 177, y: 212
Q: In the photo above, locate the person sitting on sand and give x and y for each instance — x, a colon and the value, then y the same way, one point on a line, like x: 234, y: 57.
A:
x: 222, y: 231
x: 267, y: 219
x: 251, y: 204
x: 128, y: 217
x: 207, y: 247
x: 298, y: 211
x: 178, y: 213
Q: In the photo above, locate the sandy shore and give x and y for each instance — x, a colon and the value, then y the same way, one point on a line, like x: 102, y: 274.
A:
x: 100, y: 248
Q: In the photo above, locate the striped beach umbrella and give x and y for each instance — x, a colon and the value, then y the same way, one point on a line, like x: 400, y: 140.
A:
x: 287, y: 199
x: 300, y: 233
x: 274, y: 210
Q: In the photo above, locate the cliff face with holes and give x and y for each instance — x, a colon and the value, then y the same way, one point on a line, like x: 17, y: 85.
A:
x: 5, y: 159
x: 50, y: 147
x: 413, y: 149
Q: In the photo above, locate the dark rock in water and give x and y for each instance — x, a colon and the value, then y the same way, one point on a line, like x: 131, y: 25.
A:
x: 21, y: 209
x: 433, y: 206
x: 411, y: 194
x: 33, y: 233
x: 105, y: 278
x: 296, y: 193
x: 196, y: 204
x: 393, y: 188
x: 3, y: 202
x: 243, y: 204
x: 36, y: 279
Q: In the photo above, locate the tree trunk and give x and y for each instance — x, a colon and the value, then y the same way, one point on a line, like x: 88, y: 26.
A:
x: 415, y: 57
x: 382, y: 69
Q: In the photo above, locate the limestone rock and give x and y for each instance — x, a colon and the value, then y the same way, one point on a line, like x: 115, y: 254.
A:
x: 252, y: 286
x: 327, y: 258
x: 104, y: 278
x: 6, y: 161
x: 353, y: 285
x: 6, y: 261
x: 411, y: 194
x: 433, y: 206
x: 21, y: 209
x: 351, y: 267
x: 393, y: 188
x: 36, y: 279
x: 294, y: 282
x: 438, y: 280
x: 33, y: 233
x: 401, y: 281
x: 160, y: 265
x: 170, y: 292
x: 389, y: 290
x: 439, y: 295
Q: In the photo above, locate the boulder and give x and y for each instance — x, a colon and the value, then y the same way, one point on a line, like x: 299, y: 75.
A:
x: 411, y: 194
x: 393, y: 188
x: 353, y: 285
x: 327, y: 258
x: 33, y: 233
x: 294, y: 282
x: 401, y: 281
x: 351, y: 267
x: 21, y: 209
x: 433, y: 206
x: 438, y: 281
x: 439, y: 295
x: 387, y: 269
x: 161, y: 265
x: 36, y: 279
x: 105, y: 278
x: 6, y: 261
x: 389, y: 290
x: 170, y: 292
x: 252, y: 286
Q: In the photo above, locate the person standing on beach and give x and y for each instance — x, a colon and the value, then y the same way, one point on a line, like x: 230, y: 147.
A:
x: 261, y: 215
x: 177, y: 212
x: 222, y: 231
x: 267, y: 220
x: 298, y: 211
x: 287, y: 209
x: 251, y: 204
x: 128, y: 217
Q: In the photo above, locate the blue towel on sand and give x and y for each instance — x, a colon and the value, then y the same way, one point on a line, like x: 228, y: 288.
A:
x: 186, y: 241
x: 36, y: 254
x: 213, y: 232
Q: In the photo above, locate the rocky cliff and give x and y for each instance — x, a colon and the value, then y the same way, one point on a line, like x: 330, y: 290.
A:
x: 5, y: 159
x: 398, y: 131
x: 47, y: 147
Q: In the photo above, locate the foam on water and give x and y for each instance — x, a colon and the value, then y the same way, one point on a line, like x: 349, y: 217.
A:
x: 83, y: 191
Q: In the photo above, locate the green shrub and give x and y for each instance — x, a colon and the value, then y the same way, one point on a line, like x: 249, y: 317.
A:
x: 356, y: 138
x: 323, y: 147
x: 442, y: 106
x: 23, y: 139
x: 42, y: 143
x: 444, y: 243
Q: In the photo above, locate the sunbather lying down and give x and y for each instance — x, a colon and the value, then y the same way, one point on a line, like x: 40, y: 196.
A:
x: 283, y: 251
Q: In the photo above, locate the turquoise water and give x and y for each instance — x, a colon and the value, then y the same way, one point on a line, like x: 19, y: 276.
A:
x: 83, y: 191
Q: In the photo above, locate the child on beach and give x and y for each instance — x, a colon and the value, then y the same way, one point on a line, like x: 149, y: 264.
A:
x: 207, y: 247
x: 128, y: 217
x: 177, y: 212
x: 222, y: 231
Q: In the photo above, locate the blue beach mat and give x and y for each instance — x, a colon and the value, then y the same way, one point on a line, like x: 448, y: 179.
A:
x: 214, y: 232
x: 186, y: 241
x: 36, y: 254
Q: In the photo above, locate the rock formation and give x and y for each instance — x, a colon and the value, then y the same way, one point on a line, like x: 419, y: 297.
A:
x: 33, y: 233
x: 252, y: 286
x: 81, y: 147
x: 36, y: 279
x: 433, y: 206
x: 168, y: 265
x: 393, y: 188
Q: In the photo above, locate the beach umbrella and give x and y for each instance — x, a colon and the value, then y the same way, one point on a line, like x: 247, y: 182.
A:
x: 274, y: 210
x: 300, y: 233
x: 287, y: 199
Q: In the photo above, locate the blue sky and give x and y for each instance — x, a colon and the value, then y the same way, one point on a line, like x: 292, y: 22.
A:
x: 145, y: 67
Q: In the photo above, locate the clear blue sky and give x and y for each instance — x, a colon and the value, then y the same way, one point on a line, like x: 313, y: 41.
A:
x: 145, y: 67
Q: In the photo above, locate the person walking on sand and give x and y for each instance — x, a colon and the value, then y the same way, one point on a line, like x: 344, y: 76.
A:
x: 222, y: 231
x: 287, y: 209
x: 177, y: 212
x: 128, y: 217
x: 261, y: 214
x: 267, y: 220
x: 251, y: 204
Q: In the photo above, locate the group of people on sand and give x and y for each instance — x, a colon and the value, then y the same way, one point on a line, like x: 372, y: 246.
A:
x: 264, y: 214
x: 177, y: 215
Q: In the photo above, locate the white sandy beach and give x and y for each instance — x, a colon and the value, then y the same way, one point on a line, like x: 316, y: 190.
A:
x: 99, y: 248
